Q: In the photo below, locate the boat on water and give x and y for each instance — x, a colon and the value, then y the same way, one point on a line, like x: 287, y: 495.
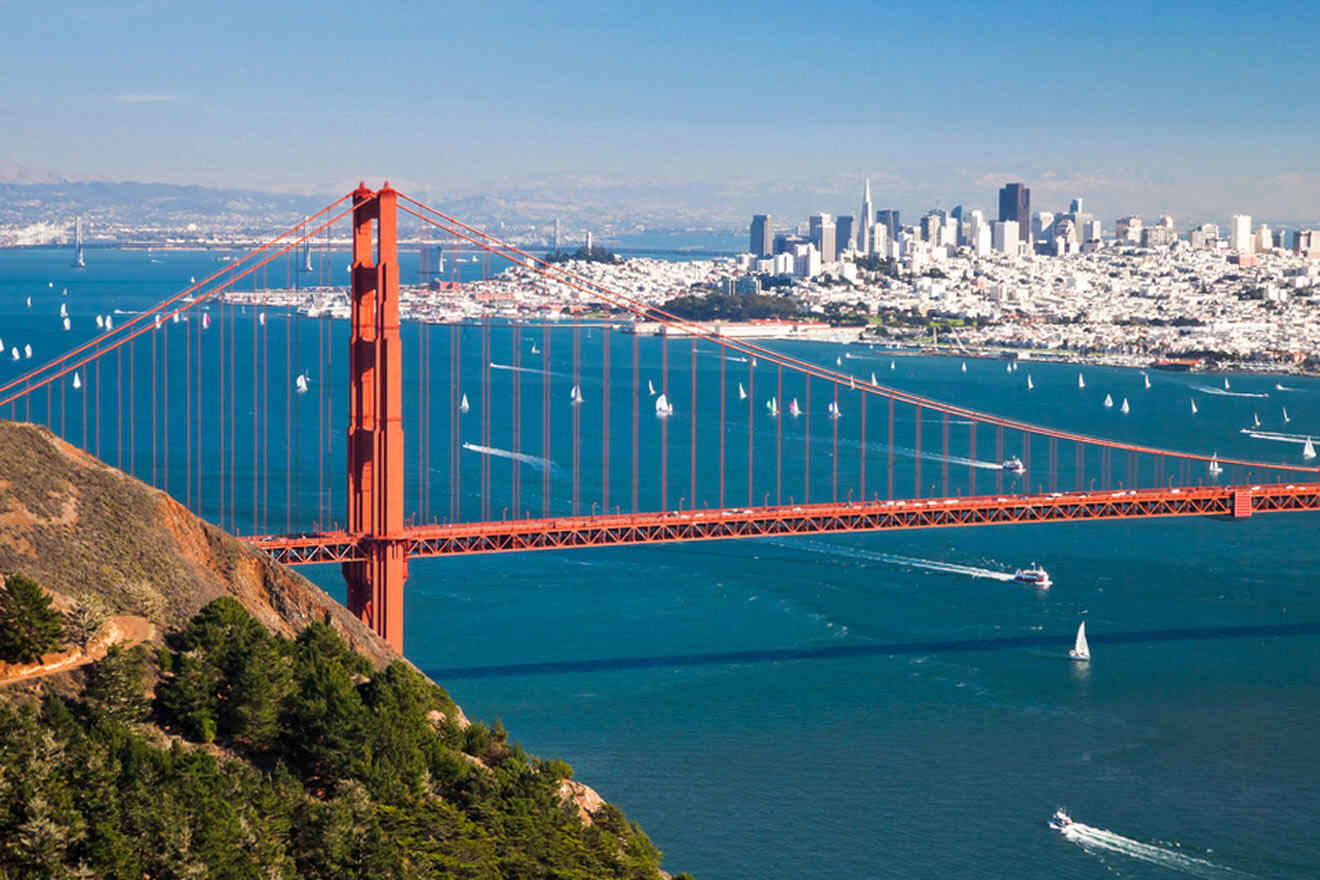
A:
x: 1109, y: 402
x: 64, y: 310
x: 742, y: 392
x: 852, y: 384
x: 1308, y: 450
x: 663, y: 408
x: 833, y: 410
x: 1255, y: 420
x: 1226, y: 385
x: 1286, y: 420
x: 1080, y: 649
x: 300, y: 383
x: 793, y: 409
x: 650, y: 388
x: 1081, y: 383
x: 1060, y: 820
x: 873, y: 381
x: 1193, y: 406
x: 1034, y: 575
x: 67, y: 324
x: 838, y: 362
x: 15, y: 353
x: 535, y: 350
x: 1014, y: 465
x: 27, y: 352
x: 772, y: 407
x: 575, y: 395
x: 1215, y: 468
x: 463, y: 405
x: 1030, y: 386
x: 964, y: 366
x: 891, y: 365
x: 77, y: 382
x: 1146, y: 379
x: 1125, y: 409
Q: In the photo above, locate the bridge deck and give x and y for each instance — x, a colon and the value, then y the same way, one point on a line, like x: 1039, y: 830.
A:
x: 608, y: 530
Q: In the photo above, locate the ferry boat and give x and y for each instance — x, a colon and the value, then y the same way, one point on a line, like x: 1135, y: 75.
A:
x: 1035, y: 576
x: 1014, y: 465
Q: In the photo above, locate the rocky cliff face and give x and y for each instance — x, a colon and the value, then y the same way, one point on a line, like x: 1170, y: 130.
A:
x: 80, y: 527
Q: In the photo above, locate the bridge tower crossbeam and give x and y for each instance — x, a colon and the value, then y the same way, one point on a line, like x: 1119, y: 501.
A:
x: 375, y: 425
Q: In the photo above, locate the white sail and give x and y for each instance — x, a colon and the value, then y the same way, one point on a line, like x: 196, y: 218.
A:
x: 1146, y: 379
x: 1286, y: 420
x: 300, y: 383
x: 575, y: 395
x: 1109, y: 401
x: 838, y: 362
x: 2, y: 345
x: 463, y: 405
x: 833, y: 410
x: 852, y: 384
x: 1030, y: 386
x: 100, y: 322
x: 753, y: 363
x: 29, y: 302
x: 1125, y: 409
x: 109, y: 322
x: 1080, y: 650
x: 1193, y: 406
x: 67, y: 324
x: 793, y: 409
x: 663, y: 408
x: 1255, y: 420
x: 1081, y: 383
x: 174, y: 318
x: 1226, y: 385
x: 1008, y: 368
x: 158, y: 322
x: 891, y: 365
x: 1215, y: 468
x: 873, y: 382
x: 535, y: 350
x: 27, y: 351
x: 192, y: 279
x: 77, y: 382
x: 742, y: 392
x: 650, y: 388
x: 772, y: 407
x: 1308, y: 451
x: 964, y: 366
x: 64, y: 310
x: 261, y: 318
x: 15, y: 353
x: 206, y: 321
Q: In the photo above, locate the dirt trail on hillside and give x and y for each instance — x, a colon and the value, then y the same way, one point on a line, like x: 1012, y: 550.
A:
x: 125, y: 630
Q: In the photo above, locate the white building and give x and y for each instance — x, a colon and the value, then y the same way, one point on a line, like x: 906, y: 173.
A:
x: 806, y: 261
x: 1005, y: 237
x: 1128, y: 229
x: 1264, y: 239
x: 1239, y: 235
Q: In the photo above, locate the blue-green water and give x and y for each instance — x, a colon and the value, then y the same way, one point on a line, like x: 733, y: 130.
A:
x: 907, y: 757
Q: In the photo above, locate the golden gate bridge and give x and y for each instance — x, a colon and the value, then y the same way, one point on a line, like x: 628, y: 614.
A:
x: 702, y: 483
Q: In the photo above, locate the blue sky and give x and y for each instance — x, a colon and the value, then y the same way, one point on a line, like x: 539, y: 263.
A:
x: 1192, y: 108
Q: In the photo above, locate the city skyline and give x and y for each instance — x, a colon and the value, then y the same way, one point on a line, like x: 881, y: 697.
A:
x: 647, y: 106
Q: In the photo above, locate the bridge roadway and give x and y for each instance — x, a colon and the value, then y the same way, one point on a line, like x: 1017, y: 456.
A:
x: 610, y: 530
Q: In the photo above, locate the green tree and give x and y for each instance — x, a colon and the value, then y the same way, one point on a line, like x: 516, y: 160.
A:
x: 83, y: 623
x: 116, y: 685
x: 29, y: 624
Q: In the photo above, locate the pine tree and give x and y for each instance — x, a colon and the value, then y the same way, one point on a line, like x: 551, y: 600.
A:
x: 116, y: 685
x: 29, y: 625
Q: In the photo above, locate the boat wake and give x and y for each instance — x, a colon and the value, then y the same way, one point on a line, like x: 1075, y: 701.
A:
x: 1279, y: 387
x: 894, y: 559
x: 1100, y: 839
x: 1278, y: 436
x: 541, y: 464
x: 950, y: 459
x: 512, y: 369
x: 1210, y: 389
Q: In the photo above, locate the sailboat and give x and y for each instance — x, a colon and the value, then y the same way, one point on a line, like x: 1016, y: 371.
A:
x: 1308, y: 451
x: 29, y: 302
x: 1081, y: 383
x: 206, y: 321
x: 66, y: 324
x: 838, y: 362
x: 1215, y: 468
x: 575, y: 395
x: 27, y: 352
x: 535, y: 350
x: 192, y: 279
x: 64, y: 310
x: 1286, y: 420
x: 1080, y: 649
x: 1193, y: 406
x: 15, y: 353
x: 663, y: 408
x: 158, y: 322
x: 833, y: 410
x: 1030, y: 386
x: 463, y: 405
x: 300, y: 383
x: 873, y: 382
x: 174, y: 318
x: 772, y: 407
x: 964, y: 366
x: 1255, y: 420
x: 1109, y: 402
x: 1146, y: 379
x: 1008, y: 368
x: 1125, y: 409
x: 1226, y: 385
x: 742, y: 392
x: 261, y: 318
x: 891, y: 365
x: 77, y: 382
x: 650, y: 388
x: 793, y: 409
x: 753, y: 363
x: 109, y: 323
x: 2, y: 345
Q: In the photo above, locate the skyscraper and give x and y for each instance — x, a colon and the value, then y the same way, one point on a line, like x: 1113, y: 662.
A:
x: 1239, y: 234
x: 843, y: 232
x: 867, y: 218
x: 890, y: 219
x: 762, y: 236
x: 822, y: 235
x: 1015, y: 204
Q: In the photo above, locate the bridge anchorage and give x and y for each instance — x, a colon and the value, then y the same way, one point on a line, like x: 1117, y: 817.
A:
x: 709, y: 436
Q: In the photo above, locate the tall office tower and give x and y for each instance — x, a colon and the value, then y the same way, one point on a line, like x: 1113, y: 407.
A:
x: 969, y: 227
x: 1239, y: 235
x: 843, y: 232
x: 880, y: 240
x: 1075, y: 206
x: 1042, y: 225
x: 867, y: 218
x: 822, y: 235
x: 932, y: 227
x: 891, y: 221
x: 1005, y: 237
x: 1307, y: 242
x: 762, y: 243
x: 1015, y: 204
x: 1263, y: 240
x: 1092, y: 231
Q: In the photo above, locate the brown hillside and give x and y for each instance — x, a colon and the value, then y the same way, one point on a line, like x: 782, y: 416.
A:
x: 78, y: 526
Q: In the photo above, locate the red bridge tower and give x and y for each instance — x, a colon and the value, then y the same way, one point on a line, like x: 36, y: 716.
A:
x: 375, y: 426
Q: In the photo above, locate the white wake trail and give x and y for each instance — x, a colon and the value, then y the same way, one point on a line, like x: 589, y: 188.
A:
x: 1092, y: 838
x: 512, y: 369
x: 1278, y: 436
x: 1210, y: 389
x: 894, y: 559
x: 541, y: 464
x: 951, y: 459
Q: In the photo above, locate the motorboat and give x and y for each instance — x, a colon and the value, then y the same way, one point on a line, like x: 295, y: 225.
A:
x: 1014, y: 465
x: 1060, y: 820
x: 1080, y: 650
x: 1035, y: 576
